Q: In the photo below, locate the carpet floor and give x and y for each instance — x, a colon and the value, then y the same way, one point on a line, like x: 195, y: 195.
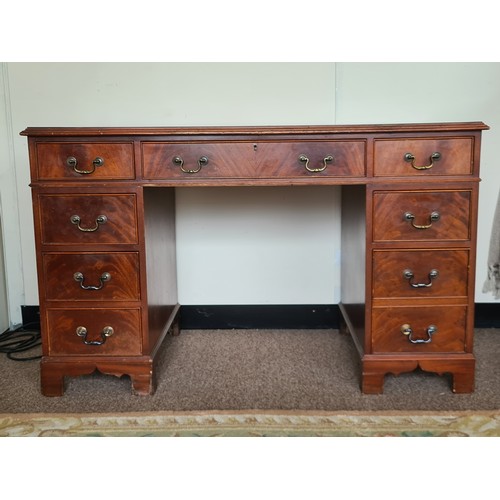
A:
x: 304, y: 373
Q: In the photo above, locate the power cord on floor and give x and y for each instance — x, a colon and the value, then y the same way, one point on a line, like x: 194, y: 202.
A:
x: 21, y: 339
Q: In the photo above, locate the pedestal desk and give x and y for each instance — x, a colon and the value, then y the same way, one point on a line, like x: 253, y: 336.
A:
x: 103, y: 201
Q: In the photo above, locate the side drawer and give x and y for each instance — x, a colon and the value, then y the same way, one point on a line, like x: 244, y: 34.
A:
x: 94, y: 332
x: 431, y: 156
x: 86, y: 161
x: 420, y: 273
x: 390, y: 323
x: 421, y: 215
x: 91, y: 276
x: 79, y: 219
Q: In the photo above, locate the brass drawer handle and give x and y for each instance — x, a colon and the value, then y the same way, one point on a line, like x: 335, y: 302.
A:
x: 435, y: 216
x: 72, y: 162
x: 177, y: 160
x: 107, y: 331
x: 407, y: 330
x: 411, y: 158
x: 408, y: 274
x: 101, y: 219
x: 305, y: 159
x: 78, y: 276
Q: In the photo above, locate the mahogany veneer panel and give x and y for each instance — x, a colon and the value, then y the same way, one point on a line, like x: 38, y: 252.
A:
x: 123, y: 270
x: 63, y: 339
x: 118, y: 160
x: 390, y: 207
x: 56, y: 211
x: 456, y: 156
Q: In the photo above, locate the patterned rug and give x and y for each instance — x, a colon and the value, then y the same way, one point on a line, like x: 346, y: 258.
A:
x: 253, y: 423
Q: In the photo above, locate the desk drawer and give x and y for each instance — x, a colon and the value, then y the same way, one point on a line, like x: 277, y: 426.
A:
x: 427, y: 329
x: 266, y: 160
x: 421, y: 215
x: 86, y: 161
x: 79, y: 219
x: 198, y: 160
x: 432, y: 156
x: 311, y: 158
x: 91, y: 276
x: 106, y: 331
x: 420, y: 273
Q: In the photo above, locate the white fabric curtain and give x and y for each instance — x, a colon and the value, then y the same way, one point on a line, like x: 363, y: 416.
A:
x: 492, y: 283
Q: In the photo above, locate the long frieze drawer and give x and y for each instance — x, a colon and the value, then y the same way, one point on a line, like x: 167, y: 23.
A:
x: 420, y: 273
x: 421, y: 215
x: 264, y: 160
x: 91, y: 276
x: 311, y: 158
x: 88, y: 219
x: 94, y: 332
x: 435, y: 156
x: 86, y: 161
x: 419, y: 329
x: 197, y: 160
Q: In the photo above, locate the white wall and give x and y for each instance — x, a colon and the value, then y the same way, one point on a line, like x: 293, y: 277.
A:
x: 226, y: 227
x: 4, y: 316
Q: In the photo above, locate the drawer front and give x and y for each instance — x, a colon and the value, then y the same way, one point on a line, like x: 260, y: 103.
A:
x: 266, y: 160
x: 197, y: 160
x: 86, y: 161
x: 409, y: 329
x: 311, y: 158
x: 88, y: 219
x: 433, y: 156
x: 90, y: 276
x: 421, y: 215
x: 420, y: 273
x: 85, y: 332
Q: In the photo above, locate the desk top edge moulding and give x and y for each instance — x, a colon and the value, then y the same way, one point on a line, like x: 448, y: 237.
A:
x: 251, y: 130
x: 104, y: 223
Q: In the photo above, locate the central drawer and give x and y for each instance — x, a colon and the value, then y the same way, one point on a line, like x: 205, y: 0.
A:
x: 94, y: 332
x: 200, y: 160
x: 311, y: 158
x: 267, y: 160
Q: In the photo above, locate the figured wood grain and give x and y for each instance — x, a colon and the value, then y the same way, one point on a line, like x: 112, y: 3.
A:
x: 118, y: 160
x: 456, y: 156
x: 63, y: 340
x: 389, y: 279
x: 390, y: 207
x: 56, y: 211
x: 123, y: 268
x: 449, y: 320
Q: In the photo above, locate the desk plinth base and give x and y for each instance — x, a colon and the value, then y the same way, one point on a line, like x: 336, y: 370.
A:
x: 53, y: 372
x: 375, y: 367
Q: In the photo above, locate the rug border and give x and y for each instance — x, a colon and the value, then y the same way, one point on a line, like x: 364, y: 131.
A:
x: 254, y: 423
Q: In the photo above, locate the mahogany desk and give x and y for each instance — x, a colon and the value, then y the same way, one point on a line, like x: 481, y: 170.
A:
x: 103, y: 201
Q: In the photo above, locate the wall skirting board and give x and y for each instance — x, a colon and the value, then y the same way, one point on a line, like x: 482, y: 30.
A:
x: 487, y: 315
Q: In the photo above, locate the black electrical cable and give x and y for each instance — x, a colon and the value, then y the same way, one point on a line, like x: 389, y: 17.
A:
x: 21, y: 339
